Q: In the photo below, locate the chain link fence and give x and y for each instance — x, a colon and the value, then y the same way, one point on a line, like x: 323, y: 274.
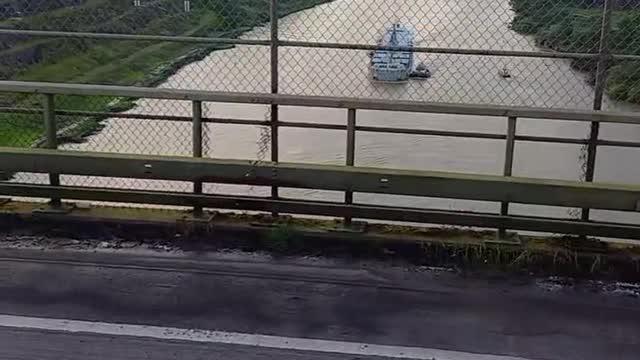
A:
x: 314, y: 54
x: 539, y: 53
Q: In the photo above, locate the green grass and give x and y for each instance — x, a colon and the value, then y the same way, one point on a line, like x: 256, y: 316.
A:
x: 19, y: 130
x: 115, y: 62
x: 102, y: 65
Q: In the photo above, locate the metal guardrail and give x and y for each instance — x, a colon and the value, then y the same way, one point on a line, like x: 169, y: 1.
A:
x: 348, y: 179
x: 30, y: 87
x: 603, y: 57
x: 326, y: 177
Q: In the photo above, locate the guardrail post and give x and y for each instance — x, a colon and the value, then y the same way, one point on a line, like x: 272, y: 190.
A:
x: 197, y: 148
x: 274, y: 90
x: 351, y: 155
x: 51, y: 130
x: 508, y: 166
x: 601, y: 82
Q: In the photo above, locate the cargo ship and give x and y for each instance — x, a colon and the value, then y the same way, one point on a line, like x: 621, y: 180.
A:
x: 394, y: 60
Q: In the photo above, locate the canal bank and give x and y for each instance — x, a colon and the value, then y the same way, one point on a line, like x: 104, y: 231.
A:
x: 575, y: 26
x: 113, y: 62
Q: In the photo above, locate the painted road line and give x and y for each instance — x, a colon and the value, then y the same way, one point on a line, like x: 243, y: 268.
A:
x: 256, y: 340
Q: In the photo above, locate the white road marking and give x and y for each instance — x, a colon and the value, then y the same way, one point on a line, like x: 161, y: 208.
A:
x: 256, y: 340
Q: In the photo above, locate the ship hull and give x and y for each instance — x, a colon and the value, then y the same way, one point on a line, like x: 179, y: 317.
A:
x: 394, y: 63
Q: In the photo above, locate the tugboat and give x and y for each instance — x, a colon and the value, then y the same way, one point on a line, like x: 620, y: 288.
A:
x: 504, y: 73
x: 420, y: 72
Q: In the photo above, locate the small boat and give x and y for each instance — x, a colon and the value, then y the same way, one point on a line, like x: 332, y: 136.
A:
x: 504, y: 73
x: 420, y: 72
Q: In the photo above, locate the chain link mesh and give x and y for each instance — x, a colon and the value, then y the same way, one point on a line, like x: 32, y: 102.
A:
x: 508, y: 25
x: 315, y: 62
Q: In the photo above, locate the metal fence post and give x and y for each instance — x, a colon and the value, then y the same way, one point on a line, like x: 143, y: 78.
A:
x: 274, y: 89
x: 51, y: 130
x: 508, y: 165
x: 197, y: 148
x: 601, y: 83
x: 351, y: 155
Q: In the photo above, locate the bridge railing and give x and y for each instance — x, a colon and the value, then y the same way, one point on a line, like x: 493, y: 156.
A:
x: 349, y: 179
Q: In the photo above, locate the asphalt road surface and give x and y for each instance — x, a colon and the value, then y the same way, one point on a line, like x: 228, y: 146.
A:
x: 83, y: 305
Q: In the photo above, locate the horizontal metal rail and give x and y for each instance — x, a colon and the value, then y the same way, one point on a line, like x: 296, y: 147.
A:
x: 101, y: 114
x: 318, y: 101
x: 438, y: 50
x: 320, y: 208
x: 465, y: 134
x: 307, y: 44
x: 326, y: 177
x: 323, y: 126
x: 133, y: 37
x: 349, y: 179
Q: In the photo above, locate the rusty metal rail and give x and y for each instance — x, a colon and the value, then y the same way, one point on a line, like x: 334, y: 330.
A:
x: 348, y: 179
x: 306, y: 44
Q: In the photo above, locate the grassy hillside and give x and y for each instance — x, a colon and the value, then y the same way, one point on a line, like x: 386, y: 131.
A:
x: 111, y: 62
x: 574, y: 26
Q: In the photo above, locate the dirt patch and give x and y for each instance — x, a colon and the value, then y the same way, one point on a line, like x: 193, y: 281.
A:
x: 464, y: 250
